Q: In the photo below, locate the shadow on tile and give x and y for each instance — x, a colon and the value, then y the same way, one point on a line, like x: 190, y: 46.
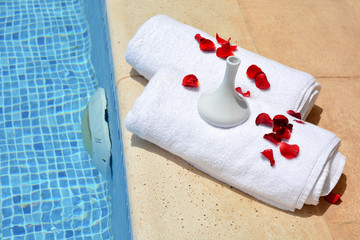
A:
x: 306, y: 211
x: 137, y: 77
x: 315, y: 115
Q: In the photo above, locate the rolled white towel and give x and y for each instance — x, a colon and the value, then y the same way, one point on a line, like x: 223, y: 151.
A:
x: 164, y: 42
x: 166, y: 115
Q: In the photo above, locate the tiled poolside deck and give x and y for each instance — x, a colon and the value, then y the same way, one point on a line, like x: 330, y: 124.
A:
x: 172, y: 200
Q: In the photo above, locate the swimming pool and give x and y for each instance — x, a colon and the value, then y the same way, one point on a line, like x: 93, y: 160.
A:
x: 48, y: 70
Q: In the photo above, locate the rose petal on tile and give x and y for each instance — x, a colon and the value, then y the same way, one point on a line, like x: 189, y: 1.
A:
x: 332, y: 198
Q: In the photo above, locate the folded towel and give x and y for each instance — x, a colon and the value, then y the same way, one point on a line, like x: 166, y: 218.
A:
x: 166, y: 115
x: 164, y: 42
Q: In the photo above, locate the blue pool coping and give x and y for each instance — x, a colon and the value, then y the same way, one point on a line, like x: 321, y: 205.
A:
x: 101, y: 57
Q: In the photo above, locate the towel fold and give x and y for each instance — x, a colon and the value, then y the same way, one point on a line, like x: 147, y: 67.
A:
x: 166, y: 115
x: 164, y: 42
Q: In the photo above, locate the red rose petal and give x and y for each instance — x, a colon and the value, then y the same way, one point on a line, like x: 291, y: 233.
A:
x: 333, y: 198
x: 268, y: 153
x: 261, y: 81
x: 198, y: 37
x: 246, y: 94
x: 294, y: 114
x: 205, y: 44
x: 280, y: 121
x: 252, y: 71
x: 272, y: 137
x: 265, y: 119
x: 224, y: 51
x: 190, y: 81
x: 298, y: 121
x: 233, y: 48
x: 289, y: 126
x: 289, y: 151
x: 283, y: 132
x: 221, y: 40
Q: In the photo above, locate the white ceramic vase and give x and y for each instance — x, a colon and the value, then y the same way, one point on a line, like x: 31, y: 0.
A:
x: 224, y: 107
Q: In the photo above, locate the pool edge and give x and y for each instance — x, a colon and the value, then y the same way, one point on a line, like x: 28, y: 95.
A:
x: 101, y: 57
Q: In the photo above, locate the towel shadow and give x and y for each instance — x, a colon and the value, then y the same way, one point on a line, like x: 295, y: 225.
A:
x: 315, y: 115
x: 306, y: 211
x: 137, y: 77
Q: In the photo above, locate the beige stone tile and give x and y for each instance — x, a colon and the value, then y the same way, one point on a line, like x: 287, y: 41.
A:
x: 320, y: 37
x: 169, y: 199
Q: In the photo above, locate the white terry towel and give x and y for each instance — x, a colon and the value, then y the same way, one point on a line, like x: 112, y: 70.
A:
x: 166, y: 115
x: 164, y: 42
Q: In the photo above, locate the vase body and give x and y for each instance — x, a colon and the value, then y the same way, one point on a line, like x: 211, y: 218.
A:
x: 224, y: 107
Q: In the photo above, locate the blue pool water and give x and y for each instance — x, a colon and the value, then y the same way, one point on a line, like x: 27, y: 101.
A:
x: 49, y: 186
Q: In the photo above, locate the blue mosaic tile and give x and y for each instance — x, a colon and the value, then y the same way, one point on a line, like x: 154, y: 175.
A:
x: 6, y: 212
x: 27, y: 209
x: 38, y: 94
x: 18, y: 230
x: 30, y: 237
x: 16, y: 199
x: 17, y: 210
x: 17, y: 220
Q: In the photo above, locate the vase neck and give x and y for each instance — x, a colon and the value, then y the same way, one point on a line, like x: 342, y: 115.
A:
x: 232, y: 67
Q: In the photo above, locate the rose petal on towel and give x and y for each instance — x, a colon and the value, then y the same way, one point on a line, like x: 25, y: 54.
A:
x: 204, y: 43
x: 265, y: 119
x: 233, y: 47
x: 239, y: 90
x: 261, y: 81
x: 298, y: 121
x: 252, y: 71
x: 224, y: 51
x: 198, y: 37
x: 272, y: 137
x: 333, y: 198
x: 279, y: 121
x: 289, y: 126
x: 207, y: 45
x: 190, y: 81
x: 221, y: 40
x: 283, y: 132
x: 294, y: 114
x: 289, y: 151
x: 268, y: 153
